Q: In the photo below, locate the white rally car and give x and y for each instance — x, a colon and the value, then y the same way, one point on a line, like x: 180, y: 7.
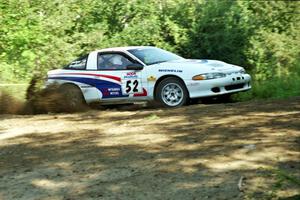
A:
x: 130, y: 74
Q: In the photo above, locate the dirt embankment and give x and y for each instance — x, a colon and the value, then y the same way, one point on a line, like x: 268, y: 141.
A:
x: 225, y: 151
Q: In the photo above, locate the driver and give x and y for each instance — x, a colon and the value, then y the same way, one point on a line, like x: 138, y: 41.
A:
x: 117, y: 62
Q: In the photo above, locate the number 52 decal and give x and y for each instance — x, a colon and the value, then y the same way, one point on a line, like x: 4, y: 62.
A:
x: 132, y: 86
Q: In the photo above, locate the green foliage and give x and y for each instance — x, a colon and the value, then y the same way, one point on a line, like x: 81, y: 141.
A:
x: 221, y: 31
x: 273, y: 55
x: 274, y: 47
x: 277, y: 88
x: 262, y: 36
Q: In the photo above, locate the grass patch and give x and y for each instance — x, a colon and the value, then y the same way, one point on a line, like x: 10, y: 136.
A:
x: 276, y: 88
x: 284, y: 177
x: 281, y: 185
x: 152, y: 117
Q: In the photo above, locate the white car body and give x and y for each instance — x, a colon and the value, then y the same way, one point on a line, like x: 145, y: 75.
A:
x: 109, y: 86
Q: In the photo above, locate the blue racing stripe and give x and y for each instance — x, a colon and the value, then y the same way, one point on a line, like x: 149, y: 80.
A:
x: 107, y: 88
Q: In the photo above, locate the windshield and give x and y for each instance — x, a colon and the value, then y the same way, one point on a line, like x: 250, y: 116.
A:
x: 153, y: 55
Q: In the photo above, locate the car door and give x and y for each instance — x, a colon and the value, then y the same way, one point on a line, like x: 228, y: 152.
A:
x: 115, y: 81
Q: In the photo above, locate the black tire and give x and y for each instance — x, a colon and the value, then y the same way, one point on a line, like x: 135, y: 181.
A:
x: 73, y: 100
x: 176, y: 97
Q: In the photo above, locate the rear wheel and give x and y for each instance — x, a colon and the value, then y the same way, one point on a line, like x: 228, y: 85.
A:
x: 72, y: 98
x: 171, y: 92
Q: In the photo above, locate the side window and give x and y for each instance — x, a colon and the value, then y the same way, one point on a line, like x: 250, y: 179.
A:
x: 112, y: 61
x: 78, y: 64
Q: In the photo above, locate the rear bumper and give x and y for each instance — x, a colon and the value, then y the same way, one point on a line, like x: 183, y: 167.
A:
x: 215, y: 87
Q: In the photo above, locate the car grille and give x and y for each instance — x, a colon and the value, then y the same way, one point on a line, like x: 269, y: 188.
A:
x: 234, y: 87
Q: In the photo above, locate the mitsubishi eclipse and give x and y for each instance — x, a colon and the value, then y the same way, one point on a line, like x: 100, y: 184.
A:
x: 142, y: 73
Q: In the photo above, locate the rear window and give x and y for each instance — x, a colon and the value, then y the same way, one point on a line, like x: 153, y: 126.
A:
x: 78, y: 64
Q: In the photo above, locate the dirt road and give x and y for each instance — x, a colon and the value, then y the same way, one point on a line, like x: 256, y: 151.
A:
x: 194, y: 152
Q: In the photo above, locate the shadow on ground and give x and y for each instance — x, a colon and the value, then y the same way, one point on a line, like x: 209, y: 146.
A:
x: 195, y: 152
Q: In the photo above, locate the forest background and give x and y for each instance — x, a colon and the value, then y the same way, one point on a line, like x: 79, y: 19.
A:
x: 261, y: 36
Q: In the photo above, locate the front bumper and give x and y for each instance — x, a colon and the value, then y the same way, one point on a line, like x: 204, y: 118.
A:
x: 214, y: 87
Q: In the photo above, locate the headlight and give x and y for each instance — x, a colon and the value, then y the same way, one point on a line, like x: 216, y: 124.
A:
x: 208, y: 76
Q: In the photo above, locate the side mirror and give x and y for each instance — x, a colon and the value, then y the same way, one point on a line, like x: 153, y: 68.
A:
x: 134, y: 66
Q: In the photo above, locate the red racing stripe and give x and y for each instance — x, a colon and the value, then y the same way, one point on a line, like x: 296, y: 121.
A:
x: 141, y: 94
x: 99, y: 75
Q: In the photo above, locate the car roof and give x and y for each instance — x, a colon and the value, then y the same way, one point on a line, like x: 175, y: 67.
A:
x: 124, y: 48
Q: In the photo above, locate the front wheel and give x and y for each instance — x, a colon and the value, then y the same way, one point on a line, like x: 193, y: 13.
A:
x: 171, y: 92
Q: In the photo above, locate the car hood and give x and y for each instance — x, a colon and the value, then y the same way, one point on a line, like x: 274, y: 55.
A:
x: 200, y: 66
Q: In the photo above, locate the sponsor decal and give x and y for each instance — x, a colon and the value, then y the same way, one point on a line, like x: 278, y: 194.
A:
x: 151, y: 78
x: 130, y: 75
x: 193, y: 84
x: 111, y: 91
x: 114, y: 89
x: 114, y: 93
x: 85, y: 86
x: 170, y: 70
